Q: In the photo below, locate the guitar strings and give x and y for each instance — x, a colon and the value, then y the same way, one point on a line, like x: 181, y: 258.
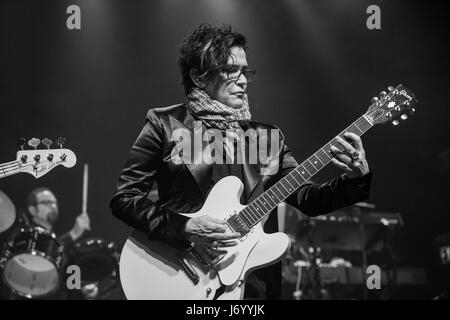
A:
x: 323, y: 159
x: 252, y: 215
x: 359, y: 123
x: 10, y: 167
x: 7, y: 163
x: 16, y: 166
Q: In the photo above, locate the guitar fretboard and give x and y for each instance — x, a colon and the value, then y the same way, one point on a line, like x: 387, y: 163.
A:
x: 266, y: 202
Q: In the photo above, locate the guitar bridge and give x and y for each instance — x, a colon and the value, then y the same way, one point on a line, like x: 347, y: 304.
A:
x: 188, y: 269
x: 207, y: 256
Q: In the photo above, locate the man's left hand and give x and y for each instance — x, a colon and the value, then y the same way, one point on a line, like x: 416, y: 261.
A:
x: 351, y: 159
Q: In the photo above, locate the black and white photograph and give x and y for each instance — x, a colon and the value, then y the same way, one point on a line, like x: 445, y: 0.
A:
x: 224, y: 150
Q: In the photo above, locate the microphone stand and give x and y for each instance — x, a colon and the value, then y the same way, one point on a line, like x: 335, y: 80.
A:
x: 358, y: 213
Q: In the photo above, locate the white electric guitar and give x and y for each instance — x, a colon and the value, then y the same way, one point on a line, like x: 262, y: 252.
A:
x: 38, y: 162
x: 152, y: 269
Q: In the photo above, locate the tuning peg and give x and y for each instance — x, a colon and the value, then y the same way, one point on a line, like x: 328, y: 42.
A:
x: 60, y: 142
x: 21, y: 142
x: 374, y: 100
x: 404, y: 116
x: 34, y: 142
x: 390, y: 88
x: 413, y: 110
x: 382, y: 94
x: 395, y: 122
x: 47, y: 142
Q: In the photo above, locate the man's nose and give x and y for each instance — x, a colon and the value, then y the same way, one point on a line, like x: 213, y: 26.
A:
x: 241, y: 81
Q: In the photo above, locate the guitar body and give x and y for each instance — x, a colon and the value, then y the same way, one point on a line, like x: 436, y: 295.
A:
x: 151, y: 269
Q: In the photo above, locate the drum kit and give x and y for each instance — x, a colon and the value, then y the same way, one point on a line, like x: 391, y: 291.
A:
x: 33, y: 262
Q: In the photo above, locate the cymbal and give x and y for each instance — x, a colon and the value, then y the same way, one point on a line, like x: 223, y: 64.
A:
x: 7, y: 212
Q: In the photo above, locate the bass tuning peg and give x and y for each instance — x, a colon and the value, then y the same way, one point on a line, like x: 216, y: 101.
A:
x: 21, y: 142
x: 47, y: 142
x: 34, y: 142
x: 60, y: 142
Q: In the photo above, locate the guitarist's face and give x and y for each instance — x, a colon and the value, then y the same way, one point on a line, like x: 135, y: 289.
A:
x: 46, y: 210
x: 229, y: 86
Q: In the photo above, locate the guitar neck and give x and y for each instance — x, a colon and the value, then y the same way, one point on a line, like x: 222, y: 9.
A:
x: 255, y: 211
x: 9, y: 168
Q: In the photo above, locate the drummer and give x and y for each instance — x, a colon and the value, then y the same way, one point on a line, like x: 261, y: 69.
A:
x: 43, y: 209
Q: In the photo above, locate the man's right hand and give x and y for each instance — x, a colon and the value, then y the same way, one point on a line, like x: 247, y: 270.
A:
x: 206, y: 230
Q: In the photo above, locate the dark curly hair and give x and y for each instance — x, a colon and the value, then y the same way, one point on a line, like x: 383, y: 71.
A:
x: 206, y: 49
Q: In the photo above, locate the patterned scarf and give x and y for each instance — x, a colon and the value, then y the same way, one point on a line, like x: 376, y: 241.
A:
x: 215, y: 114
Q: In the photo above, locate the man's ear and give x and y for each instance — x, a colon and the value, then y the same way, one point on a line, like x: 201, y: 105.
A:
x: 193, y: 73
x: 32, y: 210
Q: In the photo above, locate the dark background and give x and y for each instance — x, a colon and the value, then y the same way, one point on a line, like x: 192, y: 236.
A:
x: 317, y: 68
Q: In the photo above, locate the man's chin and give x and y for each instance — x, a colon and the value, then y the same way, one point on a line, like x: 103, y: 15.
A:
x: 236, y: 103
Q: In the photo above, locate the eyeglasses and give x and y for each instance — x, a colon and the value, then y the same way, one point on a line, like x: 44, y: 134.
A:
x: 234, y: 72
x: 47, y: 202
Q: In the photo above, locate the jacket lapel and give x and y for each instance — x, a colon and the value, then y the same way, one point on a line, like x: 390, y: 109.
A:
x: 251, y: 171
x: 201, y: 171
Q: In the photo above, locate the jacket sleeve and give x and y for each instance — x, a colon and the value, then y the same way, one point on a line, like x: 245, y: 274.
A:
x: 131, y: 203
x: 315, y: 199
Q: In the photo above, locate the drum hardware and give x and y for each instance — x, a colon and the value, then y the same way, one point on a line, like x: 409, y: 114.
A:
x: 31, y: 262
x: 99, y: 264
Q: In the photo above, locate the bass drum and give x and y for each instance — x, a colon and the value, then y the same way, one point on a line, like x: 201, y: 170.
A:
x: 31, y: 262
x: 98, y: 261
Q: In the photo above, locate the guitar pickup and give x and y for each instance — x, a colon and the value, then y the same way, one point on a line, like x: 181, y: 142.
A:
x: 236, y: 224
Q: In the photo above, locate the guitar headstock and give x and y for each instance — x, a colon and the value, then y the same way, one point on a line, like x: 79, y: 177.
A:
x: 394, y: 106
x: 38, y: 162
